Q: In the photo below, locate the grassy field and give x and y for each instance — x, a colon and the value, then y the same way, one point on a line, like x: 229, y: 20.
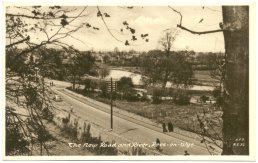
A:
x: 184, y: 117
x: 204, y: 77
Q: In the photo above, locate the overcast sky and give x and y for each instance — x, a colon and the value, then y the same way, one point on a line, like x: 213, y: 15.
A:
x: 152, y: 20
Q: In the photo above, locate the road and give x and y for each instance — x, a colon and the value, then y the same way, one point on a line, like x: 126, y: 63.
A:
x: 131, y: 130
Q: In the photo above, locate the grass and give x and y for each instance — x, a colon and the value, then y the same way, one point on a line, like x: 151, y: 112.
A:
x: 184, y: 117
x: 204, y: 75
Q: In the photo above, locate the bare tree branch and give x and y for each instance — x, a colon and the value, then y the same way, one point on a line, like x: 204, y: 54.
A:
x: 18, y: 42
x: 108, y: 27
x: 199, y: 33
x: 191, y: 31
x: 44, y: 18
x: 181, y: 17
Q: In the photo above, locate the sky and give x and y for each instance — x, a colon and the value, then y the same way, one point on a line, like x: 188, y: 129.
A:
x: 152, y: 20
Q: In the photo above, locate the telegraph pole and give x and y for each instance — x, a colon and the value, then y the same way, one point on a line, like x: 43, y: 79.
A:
x: 111, y: 104
x: 111, y: 88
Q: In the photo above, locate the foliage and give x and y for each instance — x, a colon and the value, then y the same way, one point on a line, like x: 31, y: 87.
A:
x: 71, y: 131
x: 28, y: 102
x: 29, y: 61
x: 182, y: 73
x: 103, y: 88
x: 175, y: 67
x: 217, y: 95
x: 144, y: 98
x: 131, y: 96
x: 181, y: 99
x: 153, y: 67
x: 106, y: 59
x: 125, y: 84
x: 204, y: 98
x: 104, y: 71
x: 16, y: 143
x: 89, y: 85
x: 157, y: 94
x: 79, y: 65
x: 51, y: 60
x: 29, y: 91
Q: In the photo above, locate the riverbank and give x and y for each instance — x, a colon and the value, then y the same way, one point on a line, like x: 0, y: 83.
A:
x: 202, y: 79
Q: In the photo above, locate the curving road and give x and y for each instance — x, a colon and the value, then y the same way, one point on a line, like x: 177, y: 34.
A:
x: 133, y: 131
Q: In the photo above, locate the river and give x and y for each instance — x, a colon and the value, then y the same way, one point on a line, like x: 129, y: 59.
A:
x: 136, y: 78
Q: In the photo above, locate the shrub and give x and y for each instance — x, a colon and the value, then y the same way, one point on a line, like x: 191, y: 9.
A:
x: 125, y: 84
x: 157, y: 94
x: 17, y: 143
x: 144, y: 98
x: 103, y: 88
x: 70, y: 130
x: 181, y: 99
x: 47, y: 114
x: 89, y: 85
x: 131, y: 96
x: 216, y: 93
x: 204, y: 98
x: 87, y: 137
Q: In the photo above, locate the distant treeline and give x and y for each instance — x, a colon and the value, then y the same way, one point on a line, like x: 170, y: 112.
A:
x: 198, y: 60
x: 72, y: 65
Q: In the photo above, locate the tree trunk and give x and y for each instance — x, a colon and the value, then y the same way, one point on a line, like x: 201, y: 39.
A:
x: 165, y: 79
x: 73, y: 78
x: 166, y: 71
x: 236, y: 81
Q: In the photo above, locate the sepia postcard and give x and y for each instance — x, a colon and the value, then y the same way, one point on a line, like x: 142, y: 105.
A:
x: 129, y: 81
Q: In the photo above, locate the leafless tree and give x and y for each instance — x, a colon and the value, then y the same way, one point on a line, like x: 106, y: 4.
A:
x: 166, y: 41
x: 28, y: 98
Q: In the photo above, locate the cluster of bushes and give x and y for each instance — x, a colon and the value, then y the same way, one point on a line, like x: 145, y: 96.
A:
x: 90, y: 85
x: 86, y: 137
x: 179, y: 97
x: 131, y: 96
x: 204, y: 98
x: 19, y: 139
x: 124, y: 90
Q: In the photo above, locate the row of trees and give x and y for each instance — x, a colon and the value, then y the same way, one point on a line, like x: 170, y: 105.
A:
x: 50, y: 63
x: 124, y: 88
x: 199, y: 60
